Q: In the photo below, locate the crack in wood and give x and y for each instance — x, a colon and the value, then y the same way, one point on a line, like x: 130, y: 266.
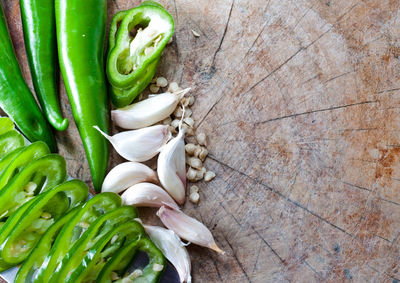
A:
x: 315, y: 111
x: 223, y: 35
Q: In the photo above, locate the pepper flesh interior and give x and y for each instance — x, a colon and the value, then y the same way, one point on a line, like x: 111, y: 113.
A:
x: 144, y: 37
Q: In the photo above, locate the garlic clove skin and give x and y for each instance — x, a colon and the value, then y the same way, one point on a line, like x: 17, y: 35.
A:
x: 171, y: 168
x: 147, y: 112
x: 139, y: 145
x: 147, y: 195
x: 127, y: 174
x: 187, y: 228
x: 173, y: 249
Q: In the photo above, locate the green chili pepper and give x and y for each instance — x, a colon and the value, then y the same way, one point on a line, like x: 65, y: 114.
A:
x: 95, y: 232
x: 21, y: 232
x: 35, y: 259
x: 5, y: 161
x: 38, y: 21
x: 38, y: 176
x: 18, y: 213
x: 121, y: 260
x: 81, y: 27
x: 137, y: 38
x: 13, y: 163
x: 73, y: 230
x: 6, y: 125
x: 15, y: 97
x: 10, y: 141
x: 96, y: 257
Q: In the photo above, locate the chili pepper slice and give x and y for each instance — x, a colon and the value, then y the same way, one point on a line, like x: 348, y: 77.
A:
x: 21, y: 233
x: 80, y: 38
x: 38, y: 21
x: 73, y: 230
x: 8, y: 158
x: 10, y: 141
x: 95, y: 232
x: 18, y: 213
x: 15, y: 97
x: 6, y: 125
x: 96, y: 257
x: 12, y: 165
x: 137, y: 38
x: 28, y: 269
x: 121, y: 260
x: 121, y: 97
x: 38, y: 176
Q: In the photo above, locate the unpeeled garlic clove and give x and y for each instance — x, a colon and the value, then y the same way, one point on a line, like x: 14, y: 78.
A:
x: 147, y: 195
x: 139, y: 145
x: 173, y: 249
x: 127, y: 174
x: 149, y: 111
x: 187, y: 227
x: 171, y: 167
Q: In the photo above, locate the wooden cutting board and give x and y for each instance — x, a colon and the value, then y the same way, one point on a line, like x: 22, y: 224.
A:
x: 300, y: 100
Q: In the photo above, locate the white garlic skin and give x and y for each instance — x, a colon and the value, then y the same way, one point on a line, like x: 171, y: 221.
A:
x: 173, y: 249
x: 147, y: 195
x: 187, y: 227
x: 140, y: 145
x: 127, y: 174
x: 171, y: 168
x: 147, y: 112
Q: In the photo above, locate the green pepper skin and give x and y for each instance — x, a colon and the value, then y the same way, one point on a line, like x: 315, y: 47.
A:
x: 35, y: 259
x: 127, y: 83
x: 73, y: 230
x: 135, y: 16
x: 121, y: 97
x: 10, y: 166
x: 5, y: 230
x: 21, y: 233
x: 103, y: 250
x: 38, y: 21
x: 95, y: 232
x: 121, y: 260
x: 15, y: 97
x: 6, y: 160
x: 6, y: 125
x: 81, y: 27
x: 46, y: 172
x: 9, y: 142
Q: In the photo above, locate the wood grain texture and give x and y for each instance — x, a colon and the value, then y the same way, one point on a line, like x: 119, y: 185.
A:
x: 300, y: 99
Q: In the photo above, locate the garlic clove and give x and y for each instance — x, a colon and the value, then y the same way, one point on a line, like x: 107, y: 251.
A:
x: 187, y: 228
x: 171, y: 168
x: 139, y: 145
x: 147, y: 195
x: 147, y: 112
x: 127, y: 174
x: 173, y: 249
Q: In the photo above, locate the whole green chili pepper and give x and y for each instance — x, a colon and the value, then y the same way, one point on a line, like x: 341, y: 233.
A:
x: 95, y: 258
x: 9, y: 142
x: 21, y: 232
x: 121, y: 260
x: 73, y: 230
x: 132, y: 59
x: 38, y: 176
x: 81, y: 27
x: 12, y: 165
x: 35, y: 259
x: 15, y: 97
x: 38, y: 21
x: 103, y: 225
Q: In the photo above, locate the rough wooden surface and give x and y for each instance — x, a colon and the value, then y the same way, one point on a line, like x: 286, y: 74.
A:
x: 300, y: 99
